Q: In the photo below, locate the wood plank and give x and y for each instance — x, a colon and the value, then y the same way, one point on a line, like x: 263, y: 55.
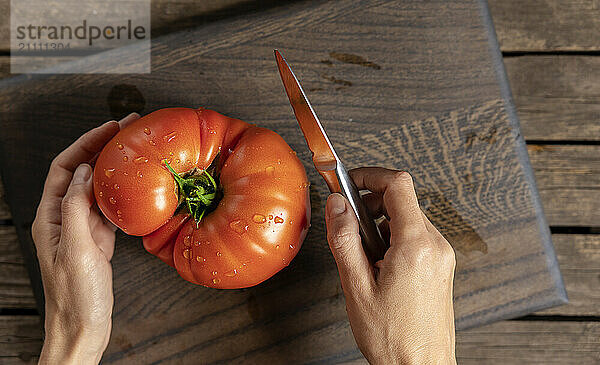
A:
x: 15, y: 286
x: 568, y: 178
x: 579, y: 258
x: 546, y: 25
x: 4, y: 209
x: 557, y: 97
x: 530, y: 342
x: 534, y: 25
x: 167, y: 16
x: 422, y: 109
x: 506, y: 342
x: 20, y: 339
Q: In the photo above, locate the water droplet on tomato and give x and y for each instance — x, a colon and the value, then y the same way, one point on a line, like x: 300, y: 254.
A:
x: 109, y: 172
x: 116, y: 186
x: 278, y: 220
x: 187, y: 240
x: 100, y: 194
x: 119, y: 146
x: 112, y: 200
x: 125, y: 158
x: 270, y: 216
x: 259, y: 218
x: 119, y: 212
x: 231, y: 273
x: 216, y: 281
x: 186, y: 253
x: 120, y: 219
x: 270, y: 170
x: 293, y: 153
x: 152, y: 143
x: 147, y: 131
x: 214, y: 273
x: 200, y: 259
x: 177, y: 160
x: 279, y: 161
x: 291, y: 247
x: 219, y: 254
x: 140, y: 160
x: 139, y: 174
x: 276, y: 246
x: 169, y: 137
x: 238, y: 226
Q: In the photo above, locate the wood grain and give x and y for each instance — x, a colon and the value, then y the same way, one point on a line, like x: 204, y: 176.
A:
x: 507, y: 342
x: 168, y: 16
x: 20, y: 339
x: 557, y: 97
x: 4, y: 210
x: 533, y: 25
x: 568, y: 179
x: 15, y: 287
x: 579, y: 258
x: 546, y: 25
x: 419, y: 108
x: 530, y: 342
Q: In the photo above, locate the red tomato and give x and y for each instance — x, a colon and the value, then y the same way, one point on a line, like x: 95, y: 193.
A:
x: 224, y: 202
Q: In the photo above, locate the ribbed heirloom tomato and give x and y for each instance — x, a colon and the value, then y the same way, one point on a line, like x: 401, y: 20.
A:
x: 224, y: 202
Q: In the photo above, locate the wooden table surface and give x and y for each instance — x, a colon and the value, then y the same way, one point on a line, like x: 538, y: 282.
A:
x: 556, y: 95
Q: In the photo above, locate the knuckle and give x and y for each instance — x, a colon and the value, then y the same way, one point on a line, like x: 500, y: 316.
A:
x: 424, y: 251
x: 402, y: 179
x: 69, y: 204
x: 35, y: 226
x: 342, y: 239
x: 448, y: 256
x: 56, y: 162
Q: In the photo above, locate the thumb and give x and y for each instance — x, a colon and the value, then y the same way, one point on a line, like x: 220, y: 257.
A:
x: 343, y: 235
x: 77, y: 202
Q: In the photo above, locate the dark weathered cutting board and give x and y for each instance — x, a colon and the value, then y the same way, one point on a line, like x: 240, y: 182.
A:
x: 407, y: 84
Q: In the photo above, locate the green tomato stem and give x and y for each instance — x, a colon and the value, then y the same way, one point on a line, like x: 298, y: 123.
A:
x: 197, y: 192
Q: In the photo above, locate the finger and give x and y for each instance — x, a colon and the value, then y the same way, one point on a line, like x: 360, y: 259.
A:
x: 102, y: 232
x: 76, y: 209
x: 374, y: 204
x: 128, y: 120
x: 62, y: 167
x: 399, y: 197
x: 356, y: 274
x: 122, y: 124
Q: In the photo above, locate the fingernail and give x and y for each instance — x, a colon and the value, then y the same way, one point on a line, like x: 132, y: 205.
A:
x: 336, y: 205
x: 82, y: 173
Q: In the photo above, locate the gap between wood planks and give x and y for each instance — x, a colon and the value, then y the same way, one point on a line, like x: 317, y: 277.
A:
x: 508, y: 54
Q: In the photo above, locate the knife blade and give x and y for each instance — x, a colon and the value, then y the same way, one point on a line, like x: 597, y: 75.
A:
x: 327, y: 162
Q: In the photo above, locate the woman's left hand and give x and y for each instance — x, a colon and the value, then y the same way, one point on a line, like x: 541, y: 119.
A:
x: 74, y: 246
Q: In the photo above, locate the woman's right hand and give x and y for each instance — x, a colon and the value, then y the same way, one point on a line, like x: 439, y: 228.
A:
x: 400, y: 309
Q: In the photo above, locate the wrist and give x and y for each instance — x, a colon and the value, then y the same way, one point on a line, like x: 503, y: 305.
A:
x: 72, y: 345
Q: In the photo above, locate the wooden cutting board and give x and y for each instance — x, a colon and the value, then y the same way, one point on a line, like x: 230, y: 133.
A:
x: 415, y: 85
